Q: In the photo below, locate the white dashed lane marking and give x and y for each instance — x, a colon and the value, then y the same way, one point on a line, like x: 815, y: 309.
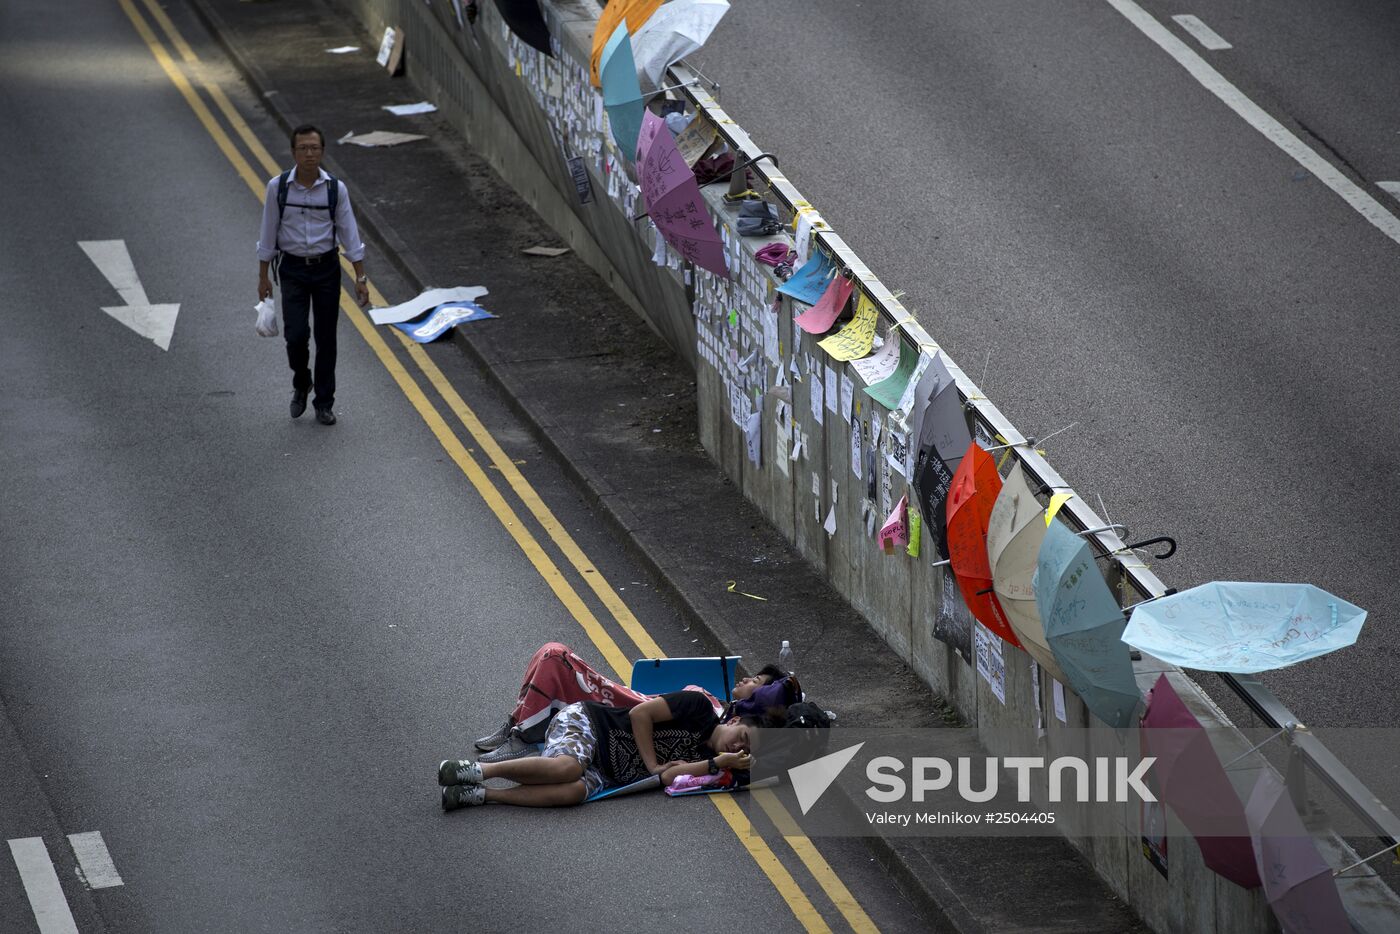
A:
x: 41, y: 885
x: 94, y: 862
x: 1208, y: 38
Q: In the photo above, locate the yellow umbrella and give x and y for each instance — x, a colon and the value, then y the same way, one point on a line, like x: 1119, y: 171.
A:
x: 1014, y: 534
x: 635, y: 12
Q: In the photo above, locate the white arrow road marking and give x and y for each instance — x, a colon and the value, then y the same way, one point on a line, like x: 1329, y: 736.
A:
x: 810, y: 780
x: 41, y: 885
x: 156, y: 322
x: 94, y: 862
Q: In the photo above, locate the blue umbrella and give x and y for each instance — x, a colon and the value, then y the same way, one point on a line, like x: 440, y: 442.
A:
x: 1244, y: 627
x: 622, y: 93
x: 1084, y: 626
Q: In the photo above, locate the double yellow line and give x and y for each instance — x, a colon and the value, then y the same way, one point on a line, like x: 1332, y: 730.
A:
x: 772, y: 867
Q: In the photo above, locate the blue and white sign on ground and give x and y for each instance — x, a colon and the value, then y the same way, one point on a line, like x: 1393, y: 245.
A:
x: 441, y: 319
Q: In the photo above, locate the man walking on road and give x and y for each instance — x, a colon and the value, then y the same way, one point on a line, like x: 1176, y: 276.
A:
x: 306, y: 212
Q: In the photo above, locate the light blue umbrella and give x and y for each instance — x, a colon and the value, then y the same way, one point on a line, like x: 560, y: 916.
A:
x: 622, y: 93
x: 1244, y: 627
x: 1084, y: 626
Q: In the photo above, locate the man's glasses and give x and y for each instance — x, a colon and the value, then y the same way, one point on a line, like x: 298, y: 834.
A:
x: 308, y: 149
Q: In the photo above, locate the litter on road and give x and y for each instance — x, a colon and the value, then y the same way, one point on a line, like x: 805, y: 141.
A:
x: 381, y: 138
x: 550, y: 251
x: 404, y: 110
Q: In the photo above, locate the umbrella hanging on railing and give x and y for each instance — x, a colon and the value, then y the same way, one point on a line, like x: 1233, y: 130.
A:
x: 974, y: 489
x: 1298, y: 883
x: 1191, y: 780
x: 622, y: 96
x: 1243, y: 627
x: 1014, y: 533
x: 673, y: 32
x: 1084, y: 626
x: 677, y: 208
x: 526, y: 21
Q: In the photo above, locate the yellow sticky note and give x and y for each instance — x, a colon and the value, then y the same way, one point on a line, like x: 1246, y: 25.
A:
x: 1056, y: 501
x: 855, y: 339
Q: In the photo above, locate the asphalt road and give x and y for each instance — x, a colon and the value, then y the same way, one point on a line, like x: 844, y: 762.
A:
x: 237, y: 645
x: 1070, y: 210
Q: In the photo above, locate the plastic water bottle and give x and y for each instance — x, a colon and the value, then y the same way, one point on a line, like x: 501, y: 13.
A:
x: 785, y: 659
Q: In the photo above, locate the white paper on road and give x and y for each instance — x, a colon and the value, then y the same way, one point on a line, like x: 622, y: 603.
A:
x: 432, y: 298
x: 341, y: 50
x: 382, y: 138
x: 404, y: 110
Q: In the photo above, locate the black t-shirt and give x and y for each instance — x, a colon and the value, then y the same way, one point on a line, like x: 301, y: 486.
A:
x: 682, y: 737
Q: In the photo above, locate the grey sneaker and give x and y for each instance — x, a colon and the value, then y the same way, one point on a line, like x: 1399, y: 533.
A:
x: 461, y: 796
x: 459, y: 772
x: 513, y: 748
x: 495, y: 739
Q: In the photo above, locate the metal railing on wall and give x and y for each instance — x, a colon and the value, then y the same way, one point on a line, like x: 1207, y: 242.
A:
x: 1136, y: 581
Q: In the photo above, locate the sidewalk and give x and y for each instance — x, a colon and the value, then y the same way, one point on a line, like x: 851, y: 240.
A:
x: 596, y: 383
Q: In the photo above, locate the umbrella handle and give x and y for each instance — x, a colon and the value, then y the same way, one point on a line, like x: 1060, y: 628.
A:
x: 763, y: 155
x: 1159, y: 540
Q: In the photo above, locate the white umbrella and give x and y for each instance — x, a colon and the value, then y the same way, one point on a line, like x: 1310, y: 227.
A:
x: 674, y: 31
x: 1014, y: 535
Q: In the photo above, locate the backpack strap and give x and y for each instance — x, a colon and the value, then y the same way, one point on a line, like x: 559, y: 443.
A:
x: 281, y: 203
x: 332, y: 200
x: 332, y: 196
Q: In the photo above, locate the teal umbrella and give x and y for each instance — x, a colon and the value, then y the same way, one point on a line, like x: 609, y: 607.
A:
x: 1244, y: 627
x: 622, y: 93
x: 1084, y: 626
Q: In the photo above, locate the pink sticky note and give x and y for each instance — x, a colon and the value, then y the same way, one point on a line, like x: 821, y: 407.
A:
x: 820, y: 317
x: 895, y: 532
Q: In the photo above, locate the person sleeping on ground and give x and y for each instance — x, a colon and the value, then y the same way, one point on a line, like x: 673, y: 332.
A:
x: 590, y: 747
x: 556, y: 677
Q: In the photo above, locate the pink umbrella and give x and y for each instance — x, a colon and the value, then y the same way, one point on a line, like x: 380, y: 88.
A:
x: 673, y: 200
x: 820, y: 317
x: 650, y: 124
x: 1297, y: 882
x: 1191, y: 780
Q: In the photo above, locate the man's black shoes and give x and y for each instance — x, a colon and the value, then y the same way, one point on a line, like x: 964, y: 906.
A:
x: 298, y: 402
x: 325, y: 416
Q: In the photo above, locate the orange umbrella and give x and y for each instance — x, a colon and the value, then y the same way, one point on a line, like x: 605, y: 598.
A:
x: 635, y: 12
x: 970, y: 499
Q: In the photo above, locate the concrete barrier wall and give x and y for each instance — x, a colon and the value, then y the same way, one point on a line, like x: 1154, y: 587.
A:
x: 527, y: 115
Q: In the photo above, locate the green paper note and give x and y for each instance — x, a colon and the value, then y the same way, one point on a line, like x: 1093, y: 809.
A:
x: 890, y: 390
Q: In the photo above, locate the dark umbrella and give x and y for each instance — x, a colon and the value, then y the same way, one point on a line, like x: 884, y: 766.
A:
x: 526, y: 21
x: 1193, y: 782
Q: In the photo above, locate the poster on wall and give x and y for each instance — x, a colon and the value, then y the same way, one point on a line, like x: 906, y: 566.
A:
x: 1154, y: 834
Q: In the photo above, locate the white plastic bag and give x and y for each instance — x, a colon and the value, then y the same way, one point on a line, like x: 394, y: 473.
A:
x: 267, y: 318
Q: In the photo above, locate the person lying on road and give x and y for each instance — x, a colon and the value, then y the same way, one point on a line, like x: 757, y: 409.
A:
x: 556, y: 677
x: 590, y: 747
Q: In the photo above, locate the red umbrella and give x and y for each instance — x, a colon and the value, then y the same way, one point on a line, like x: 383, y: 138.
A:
x: 970, y: 498
x: 1193, y: 783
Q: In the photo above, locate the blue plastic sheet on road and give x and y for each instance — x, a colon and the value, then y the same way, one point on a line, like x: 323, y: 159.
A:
x: 441, y: 319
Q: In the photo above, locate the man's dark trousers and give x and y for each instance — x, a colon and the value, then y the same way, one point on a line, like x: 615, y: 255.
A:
x: 311, y: 298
